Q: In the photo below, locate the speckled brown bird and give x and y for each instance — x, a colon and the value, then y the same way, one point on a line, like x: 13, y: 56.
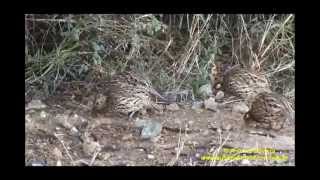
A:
x: 245, y: 83
x: 130, y: 92
x: 268, y: 111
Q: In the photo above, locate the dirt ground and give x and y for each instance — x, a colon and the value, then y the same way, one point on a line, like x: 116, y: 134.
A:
x: 62, y: 133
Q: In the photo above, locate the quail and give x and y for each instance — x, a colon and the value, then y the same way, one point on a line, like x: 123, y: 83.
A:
x: 244, y: 83
x: 130, y: 92
x: 268, y: 111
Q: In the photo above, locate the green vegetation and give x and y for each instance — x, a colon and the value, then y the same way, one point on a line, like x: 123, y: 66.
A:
x: 177, y: 51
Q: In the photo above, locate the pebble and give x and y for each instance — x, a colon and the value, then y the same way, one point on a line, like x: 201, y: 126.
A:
x: 173, y: 107
x: 219, y: 95
x: 150, y: 156
x: 91, y: 147
x: 59, y: 163
x: 245, y: 162
x: 197, y: 105
x: 218, y: 86
x: 211, y: 104
x: 43, y: 114
x: 240, y: 108
x: 151, y: 129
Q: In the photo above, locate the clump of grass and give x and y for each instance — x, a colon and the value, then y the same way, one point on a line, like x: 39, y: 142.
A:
x: 176, y: 51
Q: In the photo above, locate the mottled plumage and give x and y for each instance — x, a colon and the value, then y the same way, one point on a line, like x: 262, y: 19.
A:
x: 130, y: 92
x: 244, y: 83
x: 268, y: 111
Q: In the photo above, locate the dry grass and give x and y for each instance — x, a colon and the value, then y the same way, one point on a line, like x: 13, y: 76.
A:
x: 177, y: 51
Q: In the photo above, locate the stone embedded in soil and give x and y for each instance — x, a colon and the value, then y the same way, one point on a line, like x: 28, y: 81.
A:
x: 226, y: 126
x: 219, y: 95
x: 36, y: 104
x: 150, y: 156
x: 173, y: 107
x: 90, y: 147
x: 43, y: 114
x: 74, y: 130
x: 205, y: 90
x: 127, y: 137
x: 246, y: 162
x: 59, y: 163
x: 240, y: 108
x: 197, y: 105
x: 211, y: 104
x: 151, y: 129
x: 218, y: 86
x: 106, y: 156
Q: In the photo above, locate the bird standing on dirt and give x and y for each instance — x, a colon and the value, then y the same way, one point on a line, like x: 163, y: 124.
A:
x: 268, y: 111
x: 130, y: 92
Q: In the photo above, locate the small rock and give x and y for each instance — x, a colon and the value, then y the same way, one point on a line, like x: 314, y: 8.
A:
x: 59, y: 163
x: 211, y: 104
x: 246, y: 162
x: 150, y: 156
x: 74, y: 130
x: 43, y: 114
x: 240, y: 108
x: 173, y: 107
x: 218, y: 86
x: 151, y: 130
x: 127, y: 137
x: 36, y: 104
x: 219, y: 95
x: 205, y: 90
x: 91, y: 147
x: 75, y: 119
x: 197, y: 105
x: 226, y: 126
x: 28, y: 118
x: 106, y: 156
x: 141, y: 150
